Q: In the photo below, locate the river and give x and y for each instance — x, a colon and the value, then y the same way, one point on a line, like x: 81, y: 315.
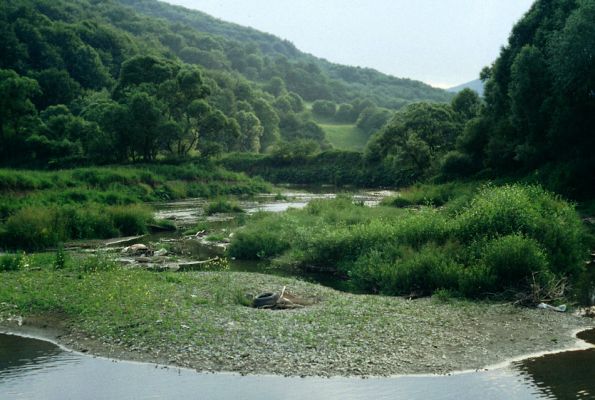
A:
x: 36, y: 369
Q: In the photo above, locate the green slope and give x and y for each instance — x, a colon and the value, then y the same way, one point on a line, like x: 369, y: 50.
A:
x: 345, y: 137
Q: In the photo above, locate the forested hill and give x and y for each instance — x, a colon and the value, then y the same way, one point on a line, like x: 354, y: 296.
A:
x: 260, y: 56
x: 539, y: 112
x: 91, y: 81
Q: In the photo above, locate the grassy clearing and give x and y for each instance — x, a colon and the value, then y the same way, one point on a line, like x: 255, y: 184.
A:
x: 200, y: 320
x: 504, y: 240
x: 40, y: 209
x: 345, y: 136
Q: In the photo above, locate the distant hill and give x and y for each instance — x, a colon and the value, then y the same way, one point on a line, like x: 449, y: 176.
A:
x: 476, y: 85
x: 146, y: 79
x: 309, y: 76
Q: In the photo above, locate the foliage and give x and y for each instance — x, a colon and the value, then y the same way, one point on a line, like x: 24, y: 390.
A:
x: 222, y: 206
x: 12, y: 262
x: 101, y: 202
x: 412, y: 142
x: 539, y: 101
x: 453, y: 194
x: 299, y: 163
x: 140, y: 80
x: 496, y: 241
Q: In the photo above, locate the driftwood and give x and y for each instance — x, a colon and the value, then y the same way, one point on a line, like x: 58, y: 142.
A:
x: 195, y: 265
x: 288, y: 301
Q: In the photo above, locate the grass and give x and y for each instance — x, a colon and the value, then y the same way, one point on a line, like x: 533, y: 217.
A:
x: 497, y: 240
x: 223, y: 206
x: 40, y: 209
x: 345, y: 136
x: 455, y: 194
x: 37, y: 227
x: 200, y: 320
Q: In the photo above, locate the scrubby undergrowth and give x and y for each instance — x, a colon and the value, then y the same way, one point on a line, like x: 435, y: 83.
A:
x: 40, y: 209
x: 503, y: 240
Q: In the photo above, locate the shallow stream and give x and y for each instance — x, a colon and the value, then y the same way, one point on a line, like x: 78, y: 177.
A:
x: 36, y: 369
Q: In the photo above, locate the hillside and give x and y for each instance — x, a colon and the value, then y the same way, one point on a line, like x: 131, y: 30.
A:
x: 475, y: 85
x: 333, y: 82
x: 124, y: 80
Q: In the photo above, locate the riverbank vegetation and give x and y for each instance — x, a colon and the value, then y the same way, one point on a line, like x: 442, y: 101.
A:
x: 85, y: 85
x: 511, y: 239
x: 40, y: 209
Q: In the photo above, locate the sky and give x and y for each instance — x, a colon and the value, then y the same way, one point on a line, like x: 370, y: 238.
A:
x: 440, y: 42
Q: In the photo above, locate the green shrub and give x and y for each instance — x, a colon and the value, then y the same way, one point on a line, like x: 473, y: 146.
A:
x: 513, y: 260
x: 498, y: 240
x: 258, y: 244
x: 60, y: 259
x: 406, y: 270
x: 11, y: 262
x: 131, y: 220
x: 436, y: 195
x: 455, y: 164
x: 222, y: 206
x: 532, y: 212
x: 34, y: 228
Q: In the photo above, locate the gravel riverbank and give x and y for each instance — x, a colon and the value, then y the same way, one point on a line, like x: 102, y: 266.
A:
x: 341, y: 334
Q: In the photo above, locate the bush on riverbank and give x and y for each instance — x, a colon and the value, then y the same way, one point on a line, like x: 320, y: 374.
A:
x: 333, y: 167
x: 501, y: 239
x: 435, y: 195
x: 35, y: 227
x: 40, y: 209
x: 222, y: 206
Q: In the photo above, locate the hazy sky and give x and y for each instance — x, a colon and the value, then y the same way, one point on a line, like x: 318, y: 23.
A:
x: 441, y: 42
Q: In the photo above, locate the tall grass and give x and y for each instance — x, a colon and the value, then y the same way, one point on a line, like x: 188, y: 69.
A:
x: 500, y: 239
x: 40, y: 209
x: 34, y: 228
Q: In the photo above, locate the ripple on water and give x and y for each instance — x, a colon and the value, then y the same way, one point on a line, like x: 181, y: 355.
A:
x: 31, y: 368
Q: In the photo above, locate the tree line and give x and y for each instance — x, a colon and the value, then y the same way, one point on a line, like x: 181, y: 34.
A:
x: 100, y: 82
x: 536, y: 120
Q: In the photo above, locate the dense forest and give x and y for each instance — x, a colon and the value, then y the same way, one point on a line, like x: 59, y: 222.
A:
x: 138, y: 80
x: 108, y: 82
x: 538, y: 117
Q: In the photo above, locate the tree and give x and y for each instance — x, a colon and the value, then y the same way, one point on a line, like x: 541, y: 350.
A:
x: 250, y: 131
x: 145, y: 69
x: 372, y: 118
x: 415, y: 139
x: 113, y: 143
x: 144, y: 121
x: 57, y: 87
x: 184, y: 96
x: 573, y: 69
x: 16, y: 93
x: 324, y: 108
x: 276, y: 86
x: 270, y: 123
x: 466, y: 104
x: 345, y: 113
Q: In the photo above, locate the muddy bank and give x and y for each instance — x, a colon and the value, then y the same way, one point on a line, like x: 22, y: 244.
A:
x: 341, y: 335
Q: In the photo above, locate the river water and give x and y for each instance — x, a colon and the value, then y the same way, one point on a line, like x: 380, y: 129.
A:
x: 36, y: 369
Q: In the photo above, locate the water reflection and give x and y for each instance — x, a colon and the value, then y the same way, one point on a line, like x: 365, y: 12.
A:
x: 19, y: 355
x: 568, y: 375
x: 31, y: 369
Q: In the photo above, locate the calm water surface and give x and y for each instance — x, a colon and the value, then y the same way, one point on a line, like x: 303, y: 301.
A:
x: 35, y: 369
